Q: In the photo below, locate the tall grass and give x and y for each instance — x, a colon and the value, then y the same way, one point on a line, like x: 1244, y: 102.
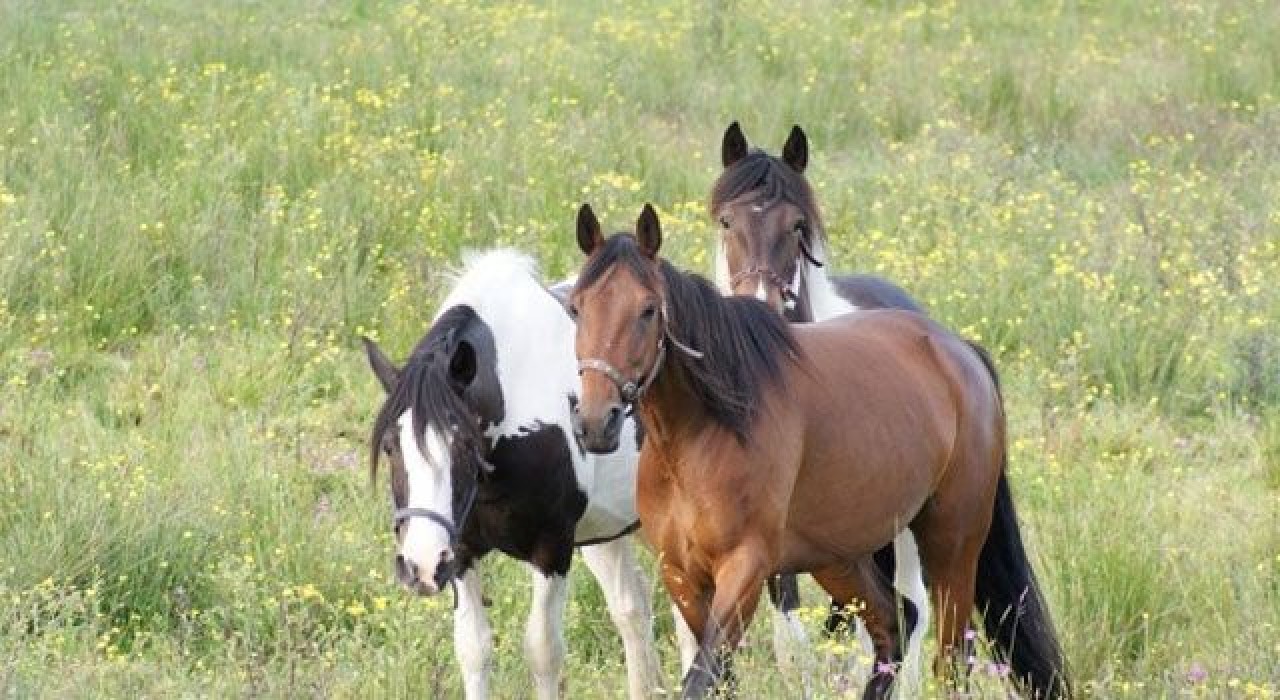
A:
x: 202, y: 206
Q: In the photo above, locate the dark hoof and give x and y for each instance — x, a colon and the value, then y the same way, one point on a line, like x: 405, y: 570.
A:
x: 698, y: 683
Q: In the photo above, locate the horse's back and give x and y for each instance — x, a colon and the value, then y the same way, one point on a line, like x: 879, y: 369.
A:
x: 874, y: 292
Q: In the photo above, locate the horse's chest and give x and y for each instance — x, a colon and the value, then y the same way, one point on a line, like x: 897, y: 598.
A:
x: 529, y: 506
x: 692, y: 528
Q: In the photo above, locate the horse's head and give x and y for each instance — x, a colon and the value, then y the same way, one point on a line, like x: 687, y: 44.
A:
x: 769, y: 221
x: 430, y: 432
x: 621, y: 336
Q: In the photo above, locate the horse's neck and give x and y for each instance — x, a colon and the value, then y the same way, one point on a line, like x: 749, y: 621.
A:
x: 672, y: 414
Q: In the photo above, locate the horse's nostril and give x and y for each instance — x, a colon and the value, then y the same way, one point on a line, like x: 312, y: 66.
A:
x: 406, y: 571
x: 613, y: 421
x: 444, y: 571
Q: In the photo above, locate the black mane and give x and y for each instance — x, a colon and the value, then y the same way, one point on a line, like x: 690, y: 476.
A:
x: 771, y: 180
x: 744, y: 342
x: 424, y: 386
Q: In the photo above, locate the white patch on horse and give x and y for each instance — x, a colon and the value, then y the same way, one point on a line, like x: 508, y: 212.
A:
x: 791, y: 644
x: 537, y: 369
x: 544, y: 636
x: 797, y: 282
x: 761, y: 293
x: 908, y: 578
x: 472, y: 637
x: 533, y: 338
x: 430, y: 486
x: 723, y: 278
x: 824, y: 301
x: 686, y: 642
x: 626, y: 592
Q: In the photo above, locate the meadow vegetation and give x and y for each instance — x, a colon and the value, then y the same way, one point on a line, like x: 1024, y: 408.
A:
x: 203, y: 205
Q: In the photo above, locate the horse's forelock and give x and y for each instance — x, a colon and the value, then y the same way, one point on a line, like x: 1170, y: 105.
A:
x: 424, y: 388
x: 760, y: 175
x: 618, y: 249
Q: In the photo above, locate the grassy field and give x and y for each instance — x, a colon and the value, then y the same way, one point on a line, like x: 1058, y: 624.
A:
x: 203, y: 204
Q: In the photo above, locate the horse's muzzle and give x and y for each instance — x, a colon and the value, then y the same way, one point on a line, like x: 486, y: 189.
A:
x: 408, y: 575
x: 599, y: 436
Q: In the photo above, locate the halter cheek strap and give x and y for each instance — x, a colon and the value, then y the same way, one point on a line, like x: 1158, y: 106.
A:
x: 629, y: 390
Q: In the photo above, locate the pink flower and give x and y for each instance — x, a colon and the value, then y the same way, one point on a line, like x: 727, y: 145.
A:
x: 886, y: 668
x: 1196, y: 674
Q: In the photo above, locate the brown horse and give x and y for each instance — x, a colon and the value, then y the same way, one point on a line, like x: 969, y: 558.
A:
x: 776, y: 448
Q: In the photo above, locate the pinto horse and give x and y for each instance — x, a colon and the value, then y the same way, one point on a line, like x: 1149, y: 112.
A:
x: 772, y: 447
x: 477, y: 429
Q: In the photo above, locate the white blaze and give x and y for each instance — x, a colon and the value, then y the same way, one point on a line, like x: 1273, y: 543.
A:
x: 429, y: 486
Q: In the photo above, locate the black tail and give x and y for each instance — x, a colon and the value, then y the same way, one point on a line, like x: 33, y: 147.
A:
x: 1013, y: 612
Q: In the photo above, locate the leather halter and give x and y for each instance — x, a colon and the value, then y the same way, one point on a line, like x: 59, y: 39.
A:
x: 769, y: 275
x: 766, y: 274
x: 631, y: 390
x: 400, y: 515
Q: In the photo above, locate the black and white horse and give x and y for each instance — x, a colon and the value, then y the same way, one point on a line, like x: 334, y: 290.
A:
x: 476, y: 428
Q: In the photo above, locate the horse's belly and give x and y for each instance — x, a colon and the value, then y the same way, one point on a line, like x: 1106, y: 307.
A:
x: 852, y: 507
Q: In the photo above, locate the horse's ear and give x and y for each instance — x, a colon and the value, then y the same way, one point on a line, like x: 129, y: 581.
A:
x: 649, y: 232
x: 462, y: 365
x: 388, y: 374
x: 796, y: 151
x: 590, y: 237
x: 734, y: 146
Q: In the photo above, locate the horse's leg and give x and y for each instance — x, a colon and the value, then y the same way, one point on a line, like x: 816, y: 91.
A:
x: 472, y: 638
x: 790, y: 641
x: 879, y: 616
x: 627, y: 595
x: 789, y: 636
x: 950, y: 555
x: 909, y: 580
x: 738, y: 580
x: 544, y: 637
x: 686, y: 641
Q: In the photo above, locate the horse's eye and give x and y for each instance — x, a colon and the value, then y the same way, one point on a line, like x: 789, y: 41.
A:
x: 573, y: 311
x: 724, y: 222
x: 801, y: 226
x: 649, y: 312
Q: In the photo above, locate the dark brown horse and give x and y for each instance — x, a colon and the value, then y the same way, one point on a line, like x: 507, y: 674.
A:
x: 778, y: 448
x: 773, y: 245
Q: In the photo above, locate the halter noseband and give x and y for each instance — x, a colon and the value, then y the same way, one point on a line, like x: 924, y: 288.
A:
x: 629, y: 390
x: 767, y: 274
x: 400, y: 515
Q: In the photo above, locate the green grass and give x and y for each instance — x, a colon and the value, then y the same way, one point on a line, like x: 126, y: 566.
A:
x: 202, y: 207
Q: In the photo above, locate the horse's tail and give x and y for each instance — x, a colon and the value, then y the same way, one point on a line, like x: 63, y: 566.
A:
x: 1014, y: 614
